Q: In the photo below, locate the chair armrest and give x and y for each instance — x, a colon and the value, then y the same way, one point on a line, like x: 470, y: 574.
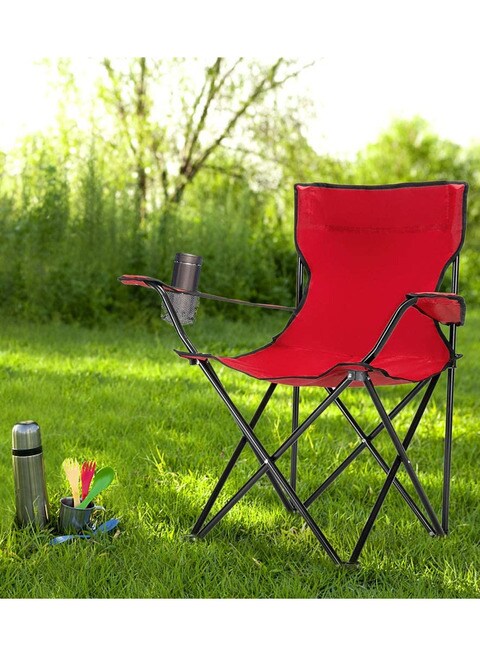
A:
x: 446, y: 308
x: 145, y: 281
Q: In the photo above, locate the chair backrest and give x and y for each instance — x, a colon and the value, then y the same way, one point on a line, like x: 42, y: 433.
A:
x: 365, y: 248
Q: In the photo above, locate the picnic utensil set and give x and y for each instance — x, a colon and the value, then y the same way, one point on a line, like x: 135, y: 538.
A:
x: 81, y: 476
x: 31, y: 501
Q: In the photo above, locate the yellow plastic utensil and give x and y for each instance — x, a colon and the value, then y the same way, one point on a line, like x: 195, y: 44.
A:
x: 71, y: 469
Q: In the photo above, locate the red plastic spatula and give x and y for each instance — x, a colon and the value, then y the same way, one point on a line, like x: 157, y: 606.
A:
x: 86, y: 475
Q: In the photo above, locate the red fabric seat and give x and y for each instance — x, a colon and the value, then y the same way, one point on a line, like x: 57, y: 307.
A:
x: 365, y: 249
x: 298, y: 366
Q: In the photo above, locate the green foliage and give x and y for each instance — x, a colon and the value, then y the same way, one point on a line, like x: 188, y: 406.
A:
x: 69, y: 216
x: 63, y: 232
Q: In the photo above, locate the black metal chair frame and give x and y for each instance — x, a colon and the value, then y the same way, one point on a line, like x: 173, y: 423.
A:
x: 286, y: 489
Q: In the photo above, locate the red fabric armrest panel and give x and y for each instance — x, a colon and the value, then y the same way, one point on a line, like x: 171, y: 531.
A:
x: 447, y: 308
x: 140, y: 280
x: 137, y: 280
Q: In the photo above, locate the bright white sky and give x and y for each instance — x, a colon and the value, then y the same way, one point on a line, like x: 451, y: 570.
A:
x: 374, y: 60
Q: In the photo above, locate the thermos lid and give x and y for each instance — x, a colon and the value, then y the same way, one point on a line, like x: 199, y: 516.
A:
x: 186, y: 258
x: 26, y: 436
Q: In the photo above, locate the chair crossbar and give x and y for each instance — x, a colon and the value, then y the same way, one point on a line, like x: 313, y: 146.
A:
x: 393, y: 472
x: 402, y: 453
x: 366, y: 443
x: 361, y: 447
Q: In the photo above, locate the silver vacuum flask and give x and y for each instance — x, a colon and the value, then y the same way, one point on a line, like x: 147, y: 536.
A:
x: 29, y: 475
x: 186, y: 274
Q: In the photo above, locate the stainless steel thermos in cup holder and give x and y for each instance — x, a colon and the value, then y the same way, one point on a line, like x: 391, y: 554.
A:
x: 31, y: 500
x: 186, y: 274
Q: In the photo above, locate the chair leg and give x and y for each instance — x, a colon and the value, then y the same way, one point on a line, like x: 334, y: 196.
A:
x: 361, y: 447
x: 269, y: 461
x: 218, y: 487
x: 383, y: 465
x: 294, y: 450
x: 269, y: 467
x: 393, y: 472
x: 228, y: 469
x: 403, y: 457
x: 447, y: 460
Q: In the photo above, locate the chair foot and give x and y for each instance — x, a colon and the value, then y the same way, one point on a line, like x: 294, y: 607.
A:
x: 191, y: 537
x: 440, y: 535
x: 350, y: 565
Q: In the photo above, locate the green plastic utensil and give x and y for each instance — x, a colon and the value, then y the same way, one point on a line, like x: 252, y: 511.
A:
x: 102, y: 479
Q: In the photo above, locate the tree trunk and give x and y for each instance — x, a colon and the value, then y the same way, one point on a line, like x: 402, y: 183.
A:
x: 141, y: 116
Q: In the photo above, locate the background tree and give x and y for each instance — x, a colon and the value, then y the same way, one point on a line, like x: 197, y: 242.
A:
x: 173, y: 125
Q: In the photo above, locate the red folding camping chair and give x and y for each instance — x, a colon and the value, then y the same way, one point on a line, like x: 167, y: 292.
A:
x: 371, y: 260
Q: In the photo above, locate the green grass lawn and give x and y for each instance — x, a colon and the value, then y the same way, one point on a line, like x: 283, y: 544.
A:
x: 119, y: 395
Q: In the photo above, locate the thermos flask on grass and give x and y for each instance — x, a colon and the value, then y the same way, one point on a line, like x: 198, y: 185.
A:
x: 29, y: 475
x: 186, y: 274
